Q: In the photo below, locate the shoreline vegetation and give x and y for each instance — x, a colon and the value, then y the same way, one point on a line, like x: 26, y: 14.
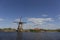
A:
x: 28, y: 30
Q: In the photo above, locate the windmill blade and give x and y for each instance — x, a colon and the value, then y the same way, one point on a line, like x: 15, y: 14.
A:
x: 20, y: 18
x: 24, y: 22
x: 15, y: 22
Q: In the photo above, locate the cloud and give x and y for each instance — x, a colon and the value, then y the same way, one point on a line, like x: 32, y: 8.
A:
x: 58, y: 16
x: 37, y: 23
x: 27, y: 26
x: 17, y: 20
x: 1, y: 19
x: 40, y: 20
x: 44, y: 15
x: 48, y: 26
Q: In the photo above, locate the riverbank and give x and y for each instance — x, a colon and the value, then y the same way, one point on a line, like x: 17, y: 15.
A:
x: 28, y: 30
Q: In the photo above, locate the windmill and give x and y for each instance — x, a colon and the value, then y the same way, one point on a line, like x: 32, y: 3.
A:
x: 20, y: 24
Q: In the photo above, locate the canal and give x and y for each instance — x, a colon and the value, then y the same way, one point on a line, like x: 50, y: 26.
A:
x: 30, y: 36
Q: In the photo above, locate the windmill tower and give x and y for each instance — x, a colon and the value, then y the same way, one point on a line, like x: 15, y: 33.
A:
x: 20, y: 24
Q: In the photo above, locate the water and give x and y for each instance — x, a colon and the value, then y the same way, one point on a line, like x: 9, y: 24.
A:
x: 30, y: 36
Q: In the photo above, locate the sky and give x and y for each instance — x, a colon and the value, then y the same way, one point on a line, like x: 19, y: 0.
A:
x: 36, y: 13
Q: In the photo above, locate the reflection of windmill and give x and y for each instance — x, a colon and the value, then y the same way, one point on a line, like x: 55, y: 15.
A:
x: 20, y: 24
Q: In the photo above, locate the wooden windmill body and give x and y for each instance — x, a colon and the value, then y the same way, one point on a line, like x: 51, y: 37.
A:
x: 20, y: 24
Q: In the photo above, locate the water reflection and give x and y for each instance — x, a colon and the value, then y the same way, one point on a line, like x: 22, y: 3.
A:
x: 19, y: 36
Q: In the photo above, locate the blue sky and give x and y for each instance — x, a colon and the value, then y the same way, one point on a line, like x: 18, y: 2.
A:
x: 30, y: 10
